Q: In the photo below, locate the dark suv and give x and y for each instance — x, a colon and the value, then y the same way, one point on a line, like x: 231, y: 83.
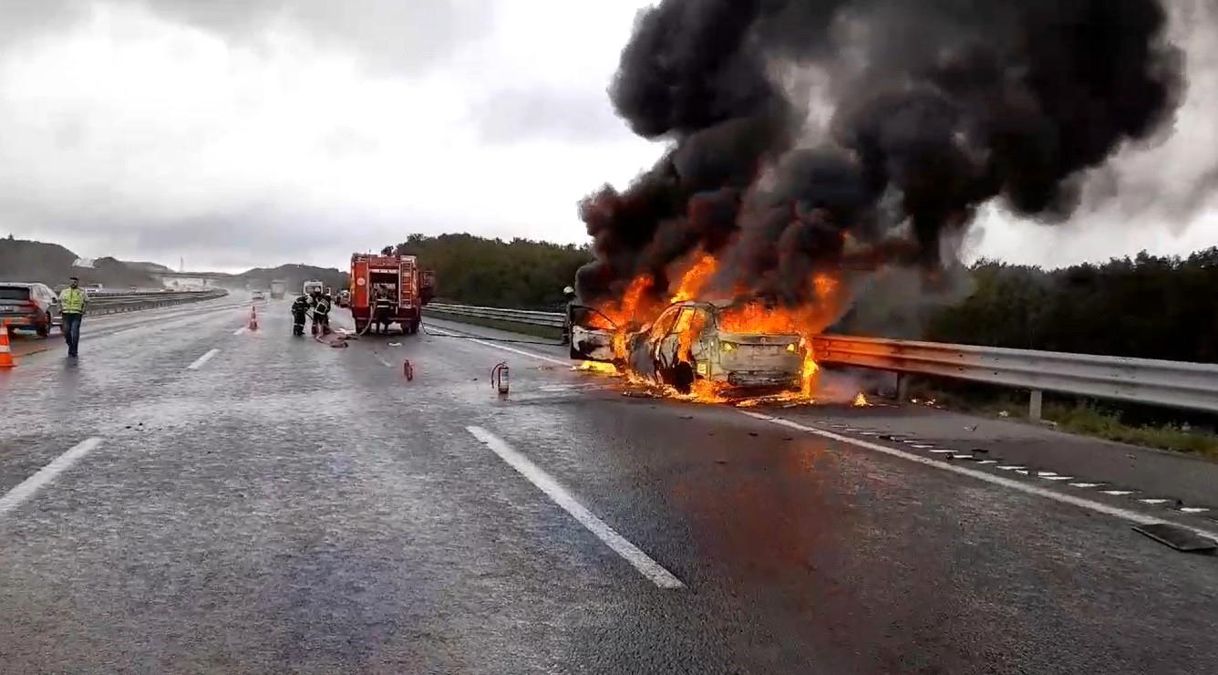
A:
x: 29, y: 306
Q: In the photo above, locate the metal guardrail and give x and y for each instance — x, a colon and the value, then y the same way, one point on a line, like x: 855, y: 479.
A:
x: 521, y: 316
x: 1174, y: 384
x: 114, y: 303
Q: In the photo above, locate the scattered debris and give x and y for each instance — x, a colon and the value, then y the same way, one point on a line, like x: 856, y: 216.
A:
x: 394, y: 344
x: 1003, y: 413
x: 635, y: 393
x: 1180, y: 538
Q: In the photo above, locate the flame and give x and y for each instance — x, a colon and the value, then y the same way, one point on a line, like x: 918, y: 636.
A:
x: 860, y: 401
x: 695, y: 278
x: 705, y: 391
x: 642, y: 303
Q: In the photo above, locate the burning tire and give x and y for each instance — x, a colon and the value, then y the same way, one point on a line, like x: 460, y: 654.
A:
x: 683, y: 377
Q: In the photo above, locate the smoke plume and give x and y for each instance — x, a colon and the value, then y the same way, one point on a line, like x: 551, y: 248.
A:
x: 834, y: 136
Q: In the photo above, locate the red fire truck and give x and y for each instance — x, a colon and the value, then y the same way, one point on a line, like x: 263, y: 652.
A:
x: 396, y: 277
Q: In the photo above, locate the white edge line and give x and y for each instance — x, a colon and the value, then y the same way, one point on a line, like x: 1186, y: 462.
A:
x: 46, y: 474
x: 505, y: 348
x: 199, y: 362
x: 1090, y: 505
x: 544, y: 482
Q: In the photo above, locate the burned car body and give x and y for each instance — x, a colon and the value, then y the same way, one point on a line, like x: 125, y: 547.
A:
x: 687, y: 343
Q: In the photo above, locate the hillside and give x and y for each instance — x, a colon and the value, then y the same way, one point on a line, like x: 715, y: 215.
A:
x: 52, y: 264
x: 295, y: 275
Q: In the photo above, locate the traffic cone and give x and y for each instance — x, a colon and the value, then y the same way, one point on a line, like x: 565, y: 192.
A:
x: 6, y: 352
x: 253, y: 318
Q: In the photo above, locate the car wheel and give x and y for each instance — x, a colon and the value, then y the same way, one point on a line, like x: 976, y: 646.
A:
x: 44, y: 329
x: 683, y: 377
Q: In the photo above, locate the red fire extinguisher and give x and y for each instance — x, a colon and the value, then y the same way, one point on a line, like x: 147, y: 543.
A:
x: 499, y: 378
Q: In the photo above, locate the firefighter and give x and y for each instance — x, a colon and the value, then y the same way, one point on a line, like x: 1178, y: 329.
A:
x: 321, y: 314
x: 382, y: 306
x: 300, y: 308
x: 569, y: 295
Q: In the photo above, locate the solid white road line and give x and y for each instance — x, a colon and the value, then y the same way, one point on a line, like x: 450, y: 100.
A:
x: 505, y: 348
x: 46, y: 474
x: 1090, y: 505
x: 202, y: 360
x: 544, y: 482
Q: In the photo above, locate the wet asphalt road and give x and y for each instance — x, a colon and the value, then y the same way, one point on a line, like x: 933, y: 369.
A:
x: 288, y: 506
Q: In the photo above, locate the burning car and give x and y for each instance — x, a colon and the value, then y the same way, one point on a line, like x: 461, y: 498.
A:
x: 689, y: 343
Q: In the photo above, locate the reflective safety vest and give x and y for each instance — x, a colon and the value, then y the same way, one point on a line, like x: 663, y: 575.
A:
x: 72, y: 300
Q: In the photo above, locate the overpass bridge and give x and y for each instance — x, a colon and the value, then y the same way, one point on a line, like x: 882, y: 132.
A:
x: 192, y: 280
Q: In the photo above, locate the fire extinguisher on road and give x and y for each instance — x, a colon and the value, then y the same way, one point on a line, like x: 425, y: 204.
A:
x: 499, y: 378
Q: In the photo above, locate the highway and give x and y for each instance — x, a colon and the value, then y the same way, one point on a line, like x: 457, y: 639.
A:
x: 192, y: 496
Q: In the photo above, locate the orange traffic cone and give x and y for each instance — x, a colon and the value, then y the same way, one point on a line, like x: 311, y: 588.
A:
x: 253, y: 318
x: 6, y: 352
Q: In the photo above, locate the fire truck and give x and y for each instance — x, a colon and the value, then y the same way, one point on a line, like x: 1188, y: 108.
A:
x: 397, y: 277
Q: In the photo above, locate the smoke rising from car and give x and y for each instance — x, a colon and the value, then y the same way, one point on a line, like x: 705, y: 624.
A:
x: 842, y: 136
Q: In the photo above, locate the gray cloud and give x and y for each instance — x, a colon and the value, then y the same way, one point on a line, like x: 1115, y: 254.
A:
x: 391, y: 35
x: 516, y: 115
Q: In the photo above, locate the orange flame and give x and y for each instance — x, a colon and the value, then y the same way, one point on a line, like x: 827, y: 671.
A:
x: 639, y: 304
x: 860, y: 401
x: 695, y: 278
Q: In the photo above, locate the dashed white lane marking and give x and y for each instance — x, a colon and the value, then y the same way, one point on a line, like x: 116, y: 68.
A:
x: 1090, y: 505
x: 1087, y: 485
x: 544, y: 482
x: 202, y: 360
x: 241, y: 330
x: 382, y: 361
x: 46, y: 474
x: 505, y: 348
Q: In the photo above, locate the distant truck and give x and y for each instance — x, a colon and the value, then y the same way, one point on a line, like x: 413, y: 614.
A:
x: 279, y: 288
x: 397, y: 276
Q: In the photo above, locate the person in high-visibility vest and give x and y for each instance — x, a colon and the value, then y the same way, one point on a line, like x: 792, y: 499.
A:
x: 72, y: 301
x: 321, y: 314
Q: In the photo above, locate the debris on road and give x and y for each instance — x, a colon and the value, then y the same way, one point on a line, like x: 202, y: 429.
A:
x: 1180, y: 538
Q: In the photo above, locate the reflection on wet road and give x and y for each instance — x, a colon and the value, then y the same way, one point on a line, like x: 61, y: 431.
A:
x: 191, y: 495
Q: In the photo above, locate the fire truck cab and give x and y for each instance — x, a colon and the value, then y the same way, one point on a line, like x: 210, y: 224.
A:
x: 398, y: 279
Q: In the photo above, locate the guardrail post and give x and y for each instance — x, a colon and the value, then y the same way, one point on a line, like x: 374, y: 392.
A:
x: 902, y: 387
x: 1034, y: 404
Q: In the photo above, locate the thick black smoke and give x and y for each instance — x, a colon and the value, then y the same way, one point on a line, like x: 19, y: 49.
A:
x: 937, y: 106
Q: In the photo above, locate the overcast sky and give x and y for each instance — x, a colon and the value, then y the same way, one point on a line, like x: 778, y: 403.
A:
x: 237, y: 133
